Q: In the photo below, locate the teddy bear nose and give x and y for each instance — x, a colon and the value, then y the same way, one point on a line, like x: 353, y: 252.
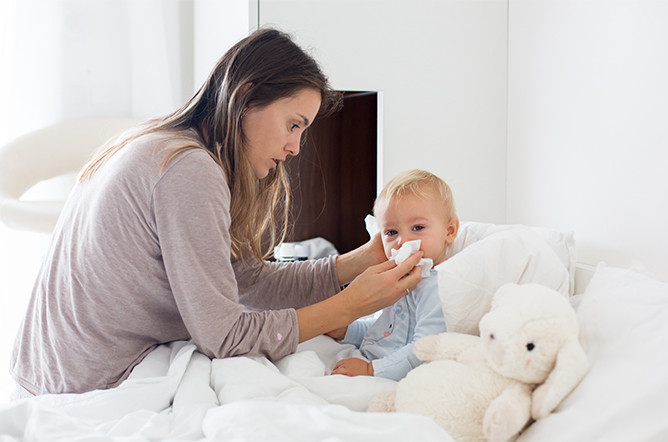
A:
x: 491, y: 336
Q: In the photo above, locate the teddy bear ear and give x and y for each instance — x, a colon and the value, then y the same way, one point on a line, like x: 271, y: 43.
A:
x: 507, y: 290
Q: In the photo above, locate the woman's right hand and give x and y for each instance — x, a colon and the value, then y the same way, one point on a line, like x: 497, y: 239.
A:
x: 377, y: 287
x: 381, y: 285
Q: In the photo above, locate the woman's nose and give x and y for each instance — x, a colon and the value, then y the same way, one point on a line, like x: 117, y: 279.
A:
x: 293, y: 145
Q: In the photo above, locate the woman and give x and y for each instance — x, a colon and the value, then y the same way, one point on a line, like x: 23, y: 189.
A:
x: 162, y: 237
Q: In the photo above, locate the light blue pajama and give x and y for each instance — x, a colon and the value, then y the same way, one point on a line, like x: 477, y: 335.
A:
x: 388, y: 341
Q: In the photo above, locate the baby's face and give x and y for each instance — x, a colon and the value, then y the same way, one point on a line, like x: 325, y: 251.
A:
x: 412, y: 217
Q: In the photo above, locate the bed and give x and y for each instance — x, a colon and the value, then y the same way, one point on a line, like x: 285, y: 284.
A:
x: 176, y: 393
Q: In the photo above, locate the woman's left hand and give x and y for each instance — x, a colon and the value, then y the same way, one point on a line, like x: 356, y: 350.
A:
x: 375, y: 249
x: 351, y: 264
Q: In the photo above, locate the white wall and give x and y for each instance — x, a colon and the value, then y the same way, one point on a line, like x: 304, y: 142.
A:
x: 441, y: 68
x: 217, y: 26
x: 588, y: 125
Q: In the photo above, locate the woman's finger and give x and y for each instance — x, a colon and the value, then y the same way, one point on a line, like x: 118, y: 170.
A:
x: 384, y: 266
x: 412, y: 279
x: 408, y: 265
x: 405, y: 266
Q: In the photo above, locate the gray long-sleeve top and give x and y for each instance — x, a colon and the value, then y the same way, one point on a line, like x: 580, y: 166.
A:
x: 140, y: 257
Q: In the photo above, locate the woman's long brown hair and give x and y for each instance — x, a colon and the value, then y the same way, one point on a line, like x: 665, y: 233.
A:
x: 274, y: 67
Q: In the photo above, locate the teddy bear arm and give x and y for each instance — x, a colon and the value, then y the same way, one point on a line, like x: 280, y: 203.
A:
x: 444, y: 346
x: 570, y: 367
x: 507, y: 415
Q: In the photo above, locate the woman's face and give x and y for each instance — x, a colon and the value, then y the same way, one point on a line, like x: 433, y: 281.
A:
x: 274, y: 131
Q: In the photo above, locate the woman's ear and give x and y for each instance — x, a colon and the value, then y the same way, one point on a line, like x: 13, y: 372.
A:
x: 452, y: 229
x: 242, y: 91
x: 245, y: 88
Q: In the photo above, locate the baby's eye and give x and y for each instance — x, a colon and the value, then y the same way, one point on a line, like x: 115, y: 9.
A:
x: 390, y: 232
x: 416, y: 228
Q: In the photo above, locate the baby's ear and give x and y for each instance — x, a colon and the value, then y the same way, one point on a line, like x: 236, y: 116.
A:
x: 452, y: 229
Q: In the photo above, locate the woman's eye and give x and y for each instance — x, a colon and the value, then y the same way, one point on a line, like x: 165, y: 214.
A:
x: 293, y: 126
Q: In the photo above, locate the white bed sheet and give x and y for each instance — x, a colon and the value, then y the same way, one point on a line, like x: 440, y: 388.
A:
x: 176, y: 393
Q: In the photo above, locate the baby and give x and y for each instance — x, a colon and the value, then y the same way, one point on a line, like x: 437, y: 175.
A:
x: 414, y: 206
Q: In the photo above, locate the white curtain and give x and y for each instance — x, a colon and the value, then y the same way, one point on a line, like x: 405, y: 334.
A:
x: 62, y: 59
x: 71, y: 58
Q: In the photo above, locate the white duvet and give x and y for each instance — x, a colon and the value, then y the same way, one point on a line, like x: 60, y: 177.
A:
x: 176, y: 393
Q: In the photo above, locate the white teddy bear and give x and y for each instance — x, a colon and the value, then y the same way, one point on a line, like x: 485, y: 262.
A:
x: 525, y: 362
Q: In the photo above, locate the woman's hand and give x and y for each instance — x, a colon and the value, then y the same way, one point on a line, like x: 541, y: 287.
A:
x: 353, y: 367
x: 382, y: 285
x: 377, y: 287
x: 374, y: 249
x: 351, y: 264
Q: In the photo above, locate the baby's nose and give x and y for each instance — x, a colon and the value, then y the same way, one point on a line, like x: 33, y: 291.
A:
x: 404, y: 238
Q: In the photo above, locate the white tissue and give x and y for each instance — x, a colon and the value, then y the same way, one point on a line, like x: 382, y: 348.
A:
x: 406, y: 250
x: 371, y: 225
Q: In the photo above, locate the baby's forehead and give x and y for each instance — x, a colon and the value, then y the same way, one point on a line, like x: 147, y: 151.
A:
x: 425, y: 195
x: 395, y: 204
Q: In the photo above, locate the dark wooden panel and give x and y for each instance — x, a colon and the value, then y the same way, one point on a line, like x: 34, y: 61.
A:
x: 334, y: 176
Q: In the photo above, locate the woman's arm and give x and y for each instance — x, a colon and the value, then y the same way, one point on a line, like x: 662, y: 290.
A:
x: 279, y: 285
x: 354, y: 332
x: 202, y: 279
x: 374, y: 289
x: 302, y: 283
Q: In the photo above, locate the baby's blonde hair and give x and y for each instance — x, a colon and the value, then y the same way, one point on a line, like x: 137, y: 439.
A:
x: 417, y: 182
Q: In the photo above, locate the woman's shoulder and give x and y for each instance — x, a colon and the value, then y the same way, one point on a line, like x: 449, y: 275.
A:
x: 168, y: 141
x: 178, y: 150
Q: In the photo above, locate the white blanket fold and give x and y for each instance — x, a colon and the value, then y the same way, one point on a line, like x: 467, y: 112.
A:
x: 177, y: 393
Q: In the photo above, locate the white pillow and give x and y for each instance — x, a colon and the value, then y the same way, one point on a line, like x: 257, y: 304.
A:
x: 623, y: 317
x: 562, y: 243
x: 468, y: 279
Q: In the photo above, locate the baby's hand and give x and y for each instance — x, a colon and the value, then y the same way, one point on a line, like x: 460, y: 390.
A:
x: 353, y: 367
x: 338, y: 334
